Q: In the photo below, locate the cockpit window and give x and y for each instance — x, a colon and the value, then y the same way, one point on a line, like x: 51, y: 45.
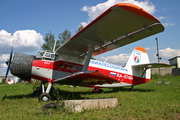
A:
x: 40, y: 54
x: 48, y: 55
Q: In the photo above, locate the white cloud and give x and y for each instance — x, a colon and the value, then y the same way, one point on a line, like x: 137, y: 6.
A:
x: 4, y: 57
x: 83, y: 24
x: 95, y: 11
x: 3, y: 65
x: 169, y: 53
x: 147, y: 48
x: 21, y: 40
x: 168, y: 24
x: 161, y: 17
x: 120, y: 59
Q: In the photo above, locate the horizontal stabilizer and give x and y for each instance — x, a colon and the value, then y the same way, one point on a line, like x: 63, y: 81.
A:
x: 86, y: 78
x: 152, y: 65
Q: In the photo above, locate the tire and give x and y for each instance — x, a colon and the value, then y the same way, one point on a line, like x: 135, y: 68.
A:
x: 45, y: 97
x: 100, y: 91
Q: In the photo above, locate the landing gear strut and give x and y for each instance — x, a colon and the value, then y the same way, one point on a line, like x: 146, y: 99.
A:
x: 96, y: 90
x: 43, y: 95
x: 131, y: 89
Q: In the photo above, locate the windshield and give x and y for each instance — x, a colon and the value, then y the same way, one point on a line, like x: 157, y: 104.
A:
x: 41, y: 53
x: 48, y: 55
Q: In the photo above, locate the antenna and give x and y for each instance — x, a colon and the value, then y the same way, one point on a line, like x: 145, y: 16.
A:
x: 158, y: 53
x: 54, y: 45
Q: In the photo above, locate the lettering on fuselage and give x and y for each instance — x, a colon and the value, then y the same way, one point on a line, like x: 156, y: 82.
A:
x: 122, y: 76
x: 107, y: 65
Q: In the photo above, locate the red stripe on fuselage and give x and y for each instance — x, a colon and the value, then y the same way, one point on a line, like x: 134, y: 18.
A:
x: 121, y: 77
x: 58, y: 65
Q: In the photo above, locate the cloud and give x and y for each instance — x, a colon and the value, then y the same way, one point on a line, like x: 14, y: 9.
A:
x: 3, y: 66
x: 120, y: 59
x: 83, y: 24
x: 161, y: 17
x: 168, y: 24
x: 95, y: 11
x: 21, y: 40
x: 147, y: 48
x: 4, y: 57
x: 169, y: 53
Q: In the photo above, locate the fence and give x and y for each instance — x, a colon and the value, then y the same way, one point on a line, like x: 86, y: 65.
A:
x: 164, y: 71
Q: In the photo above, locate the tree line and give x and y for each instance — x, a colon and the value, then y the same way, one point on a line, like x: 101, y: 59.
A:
x: 62, y: 38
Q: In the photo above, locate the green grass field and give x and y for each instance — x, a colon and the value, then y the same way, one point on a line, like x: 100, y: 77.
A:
x: 147, y: 101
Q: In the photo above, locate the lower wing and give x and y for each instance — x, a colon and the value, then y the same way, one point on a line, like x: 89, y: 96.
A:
x: 86, y: 79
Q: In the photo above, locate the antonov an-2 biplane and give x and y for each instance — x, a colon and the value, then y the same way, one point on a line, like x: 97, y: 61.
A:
x: 71, y: 64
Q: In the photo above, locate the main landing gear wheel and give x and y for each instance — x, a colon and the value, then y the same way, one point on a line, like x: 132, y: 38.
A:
x: 45, y: 97
x: 95, y: 90
x: 100, y: 91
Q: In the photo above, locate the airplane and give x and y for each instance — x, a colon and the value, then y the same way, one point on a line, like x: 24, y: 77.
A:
x: 71, y: 64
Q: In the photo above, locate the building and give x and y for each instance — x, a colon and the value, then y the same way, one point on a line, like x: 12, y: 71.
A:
x: 175, y: 62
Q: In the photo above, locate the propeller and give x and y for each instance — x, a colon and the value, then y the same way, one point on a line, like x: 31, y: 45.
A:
x: 8, y: 62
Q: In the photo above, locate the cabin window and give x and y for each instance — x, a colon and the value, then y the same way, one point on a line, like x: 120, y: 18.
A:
x: 80, y: 68
x: 62, y: 65
x: 74, y: 67
x: 68, y: 66
x: 47, y: 55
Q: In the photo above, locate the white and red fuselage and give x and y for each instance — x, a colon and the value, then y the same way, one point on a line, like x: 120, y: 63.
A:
x: 47, y: 70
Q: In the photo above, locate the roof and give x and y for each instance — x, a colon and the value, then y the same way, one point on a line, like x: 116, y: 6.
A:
x: 174, y: 58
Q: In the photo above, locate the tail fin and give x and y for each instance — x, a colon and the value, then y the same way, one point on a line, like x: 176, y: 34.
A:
x: 138, y: 56
x: 138, y: 66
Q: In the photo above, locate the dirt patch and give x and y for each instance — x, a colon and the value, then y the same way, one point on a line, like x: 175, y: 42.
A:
x: 177, y: 115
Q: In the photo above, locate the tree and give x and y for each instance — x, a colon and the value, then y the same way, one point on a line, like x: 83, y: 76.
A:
x: 49, y: 42
x: 80, y: 28
x: 64, y: 36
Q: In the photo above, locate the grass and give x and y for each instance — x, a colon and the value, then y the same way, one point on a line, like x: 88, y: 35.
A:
x: 147, y: 101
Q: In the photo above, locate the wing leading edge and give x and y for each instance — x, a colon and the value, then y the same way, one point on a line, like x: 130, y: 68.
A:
x: 119, y: 25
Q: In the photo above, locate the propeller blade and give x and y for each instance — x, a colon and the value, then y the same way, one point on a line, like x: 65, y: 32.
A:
x: 10, y: 58
x: 7, y: 71
x: 11, y: 54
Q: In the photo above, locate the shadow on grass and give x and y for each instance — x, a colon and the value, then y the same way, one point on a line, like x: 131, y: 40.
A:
x: 129, y: 90
x: 57, y: 94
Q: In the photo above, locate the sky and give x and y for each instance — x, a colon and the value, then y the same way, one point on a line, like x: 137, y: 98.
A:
x: 24, y: 24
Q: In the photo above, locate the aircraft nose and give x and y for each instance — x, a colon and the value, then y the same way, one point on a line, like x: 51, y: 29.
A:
x: 21, y: 65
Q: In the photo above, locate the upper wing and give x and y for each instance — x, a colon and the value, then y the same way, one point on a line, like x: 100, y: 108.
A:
x: 86, y: 79
x: 119, y: 25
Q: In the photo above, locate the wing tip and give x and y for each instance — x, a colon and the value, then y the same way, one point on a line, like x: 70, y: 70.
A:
x: 137, y: 10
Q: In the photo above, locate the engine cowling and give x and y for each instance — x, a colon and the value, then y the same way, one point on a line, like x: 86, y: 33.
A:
x: 21, y: 65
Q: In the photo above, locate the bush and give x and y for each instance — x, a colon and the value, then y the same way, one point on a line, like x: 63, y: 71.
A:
x: 156, y: 76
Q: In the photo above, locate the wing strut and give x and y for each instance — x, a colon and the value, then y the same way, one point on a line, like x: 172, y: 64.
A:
x: 144, y: 71
x: 90, y: 51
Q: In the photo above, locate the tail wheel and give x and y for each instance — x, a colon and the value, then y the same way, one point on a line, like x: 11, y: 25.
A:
x: 45, y: 97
